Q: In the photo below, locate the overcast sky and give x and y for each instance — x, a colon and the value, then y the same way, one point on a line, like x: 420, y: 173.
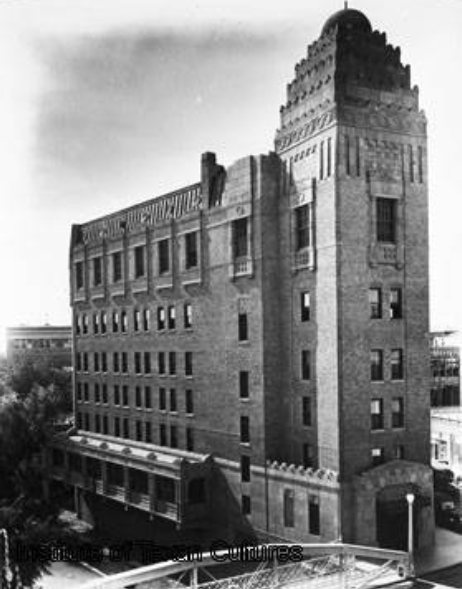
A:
x: 104, y: 103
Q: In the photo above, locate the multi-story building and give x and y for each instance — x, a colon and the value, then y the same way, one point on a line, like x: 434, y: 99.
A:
x: 44, y: 344
x: 251, y: 350
x: 445, y: 371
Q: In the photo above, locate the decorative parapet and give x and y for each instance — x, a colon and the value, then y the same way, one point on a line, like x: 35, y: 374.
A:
x: 302, y: 474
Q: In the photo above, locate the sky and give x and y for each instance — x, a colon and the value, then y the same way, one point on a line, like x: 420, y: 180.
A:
x: 105, y: 103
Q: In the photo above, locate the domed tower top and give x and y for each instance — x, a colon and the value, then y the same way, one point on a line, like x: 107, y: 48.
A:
x: 348, y: 19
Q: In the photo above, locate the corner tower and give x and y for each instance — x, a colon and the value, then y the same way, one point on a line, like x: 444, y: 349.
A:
x: 353, y: 140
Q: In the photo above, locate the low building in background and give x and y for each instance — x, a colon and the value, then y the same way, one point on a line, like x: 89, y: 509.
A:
x: 446, y: 431
x: 445, y: 370
x: 44, y: 344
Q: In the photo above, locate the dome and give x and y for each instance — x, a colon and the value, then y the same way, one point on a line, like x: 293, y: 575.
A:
x: 348, y: 19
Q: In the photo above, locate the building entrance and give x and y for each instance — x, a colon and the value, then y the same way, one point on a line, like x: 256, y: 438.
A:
x: 392, y: 517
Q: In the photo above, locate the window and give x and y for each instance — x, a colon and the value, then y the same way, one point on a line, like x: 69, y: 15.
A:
x: 420, y: 164
x: 138, y: 397
x: 243, y: 334
x: 164, y: 256
x: 103, y: 362
x: 103, y: 322
x: 314, y: 516
x: 171, y: 317
x: 84, y: 324
x: 358, y: 157
x: 305, y: 309
x: 347, y: 155
x: 376, y: 365
x: 104, y: 394
x: 163, y: 434
x: 97, y: 424
x: 126, y: 429
x: 302, y: 228
x: 329, y: 157
x: 189, y: 401
x: 160, y: 318
x: 116, y: 426
x: 386, y: 220
x: 139, y: 431
x: 97, y: 273
x: 187, y: 315
x: 306, y: 365
x: 77, y: 324
x: 173, y: 436
x: 85, y: 361
x: 188, y: 363
x: 191, y: 250
x: 124, y: 362
x: 246, y: 505
x: 139, y: 261
x: 306, y: 411
x: 125, y: 395
x: 137, y: 358
x: 116, y: 395
x: 123, y: 320
x: 115, y: 322
x: 96, y: 361
x: 148, y: 432
x: 375, y: 303
x: 240, y: 248
x: 397, y: 412
x: 147, y: 397
x: 161, y: 363
x: 396, y: 303
x: 398, y: 452
x: 189, y: 439
x: 321, y: 160
x: 243, y: 384
x: 136, y: 320
x: 377, y: 456
x: 377, y: 414
x: 115, y: 362
x: 289, y: 503
x: 245, y: 469
x: 397, y: 368
x: 78, y: 275
x: 79, y: 391
x: 173, y: 406
x: 245, y: 429
x: 162, y: 399
x: 172, y: 363
x: 147, y: 362
x: 96, y: 392
x: 105, y: 425
x: 95, y: 323
x: 308, y: 455
x: 411, y: 163
x: 86, y: 392
x: 146, y: 319
x: 116, y: 266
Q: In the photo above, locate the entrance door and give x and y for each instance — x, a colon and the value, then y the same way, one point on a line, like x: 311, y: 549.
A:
x: 392, y: 524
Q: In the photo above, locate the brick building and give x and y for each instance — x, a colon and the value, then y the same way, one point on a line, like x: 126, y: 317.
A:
x: 43, y: 344
x: 250, y: 351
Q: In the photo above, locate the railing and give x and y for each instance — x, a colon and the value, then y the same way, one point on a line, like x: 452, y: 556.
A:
x: 325, y: 566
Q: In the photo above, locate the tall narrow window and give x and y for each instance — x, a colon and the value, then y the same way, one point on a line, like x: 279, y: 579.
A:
x: 188, y: 363
x: 115, y: 322
x: 420, y: 164
x: 148, y: 432
x: 321, y: 161
x: 78, y: 275
x: 140, y: 252
x: 123, y: 320
x: 246, y: 505
x: 124, y: 362
x: 147, y: 397
x: 138, y: 397
x: 136, y: 319
x: 162, y: 399
x: 171, y: 317
x: 105, y: 425
x: 191, y: 250
x: 396, y: 303
x: 314, y: 516
x: 137, y: 361
x: 189, y: 401
x: 163, y: 434
x: 306, y: 411
x: 172, y: 363
x: 245, y: 429
x: 377, y: 414
x: 116, y: 394
x: 397, y: 412
x: 397, y: 368
x: 173, y: 436
x: 138, y: 430
x: 358, y: 157
x: 347, y: 155
x: 163, y: 255
x: 96, y: 362
x: 308, y: 455
x: 243, y: 334
x: 125, y: 402
x: 305, y: 307
x: 302, y: 227
x: 240, y: 229
x: 189, y: 439
x: 376, y: 365
x: 103, y: 361
x: 187, y: 315
x: 115, y: 362
x: 104, y: 394
x: 116, y: 266
x: 117, y: 426
x: 95, y: 323
x: 146, y: 319
x: 160, y: 318
x: 289, y: 504
x: 103, y: 322
x: 411, y: 163
x: 161, y: 363
x: 306, y: 365
x: 243, y: 384
x: 386, y: 220
x: 147, y: 362
x: 97, y: 274
x: 329, y: 157
x: 245, y: 469
x: 173, y: 405
x: 375, y: 303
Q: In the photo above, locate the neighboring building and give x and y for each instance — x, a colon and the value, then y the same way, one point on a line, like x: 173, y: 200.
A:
x: 446, y: 438
x: 44, y: 344
x: 251, y: 350
x: 445, y: 368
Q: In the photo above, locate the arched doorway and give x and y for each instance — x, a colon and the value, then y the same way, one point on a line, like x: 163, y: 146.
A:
x: 392, y: 516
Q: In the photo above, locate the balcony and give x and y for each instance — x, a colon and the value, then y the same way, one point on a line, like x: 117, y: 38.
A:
x: 242, y: 267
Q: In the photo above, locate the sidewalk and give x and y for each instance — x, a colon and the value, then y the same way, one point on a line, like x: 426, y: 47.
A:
x: 447, y: 551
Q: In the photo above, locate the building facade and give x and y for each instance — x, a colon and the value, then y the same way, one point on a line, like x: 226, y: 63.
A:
x: 445, y: 371
x: 264, y: 330
x: 44, y: 344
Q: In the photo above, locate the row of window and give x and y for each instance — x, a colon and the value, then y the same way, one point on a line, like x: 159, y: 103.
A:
x: 393, y: 307
x: 139, y: 266
x: 142, y: 432
x: 396, y: 365
x: 121, y: 396
x: 141, y: 320
x: 397, y: 414
x: 142, y: 363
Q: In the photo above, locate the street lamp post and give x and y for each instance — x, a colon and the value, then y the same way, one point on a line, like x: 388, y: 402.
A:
x: 410, y: 531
